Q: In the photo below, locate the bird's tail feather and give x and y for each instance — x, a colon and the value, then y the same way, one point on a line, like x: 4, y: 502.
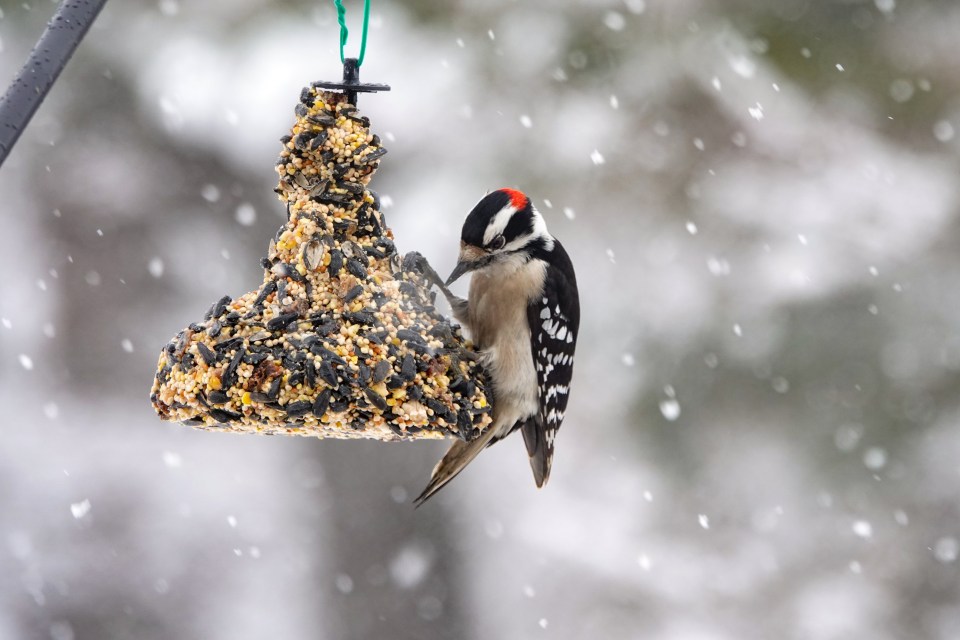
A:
x: 453, y: 462
x: 539, y: 450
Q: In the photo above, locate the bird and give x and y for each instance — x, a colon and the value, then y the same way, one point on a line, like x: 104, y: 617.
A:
x: 523, y: 315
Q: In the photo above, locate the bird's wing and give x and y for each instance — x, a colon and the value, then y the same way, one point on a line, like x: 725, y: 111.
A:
x: 554, y: 320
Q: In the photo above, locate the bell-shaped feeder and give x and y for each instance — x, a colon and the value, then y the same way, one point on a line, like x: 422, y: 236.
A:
x: 342, y: 339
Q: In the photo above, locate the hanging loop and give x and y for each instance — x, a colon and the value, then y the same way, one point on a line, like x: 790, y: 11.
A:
x: 342, y: 19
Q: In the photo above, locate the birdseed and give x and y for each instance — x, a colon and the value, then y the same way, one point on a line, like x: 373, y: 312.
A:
x: 342, y: 340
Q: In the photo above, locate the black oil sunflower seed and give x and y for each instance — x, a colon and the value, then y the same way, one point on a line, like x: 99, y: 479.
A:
x: 374, y: 155
x: 409, y: 336
x: 353, y: 293
x: 295, y: 409
x: 218, y: 397
x: 376, y: 399
x: 408, y: 368
x: 328, y: 375
x: 274, y: 389
x: 222, y: 415
x: 381, y: 370
x: 360, y: 317
x: 322, y: 402
x: 207, y: 354
x: 363, y: 373
x: 281, y: 321
x: 336, y: 262
x: 254, y: 358
x: 356, y: 268
x: 229, y: 344
x: 339, y: 405
x: 230, y: 374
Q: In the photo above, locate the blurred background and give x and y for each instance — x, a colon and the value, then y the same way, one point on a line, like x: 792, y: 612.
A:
x: 760, y: 199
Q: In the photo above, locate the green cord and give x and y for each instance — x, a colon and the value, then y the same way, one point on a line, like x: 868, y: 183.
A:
x: 342, y: 19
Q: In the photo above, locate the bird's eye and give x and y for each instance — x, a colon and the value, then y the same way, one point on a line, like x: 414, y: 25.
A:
x: 497, y: 243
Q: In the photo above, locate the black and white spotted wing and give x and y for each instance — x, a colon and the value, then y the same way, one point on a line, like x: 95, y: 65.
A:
x: 554, y: 320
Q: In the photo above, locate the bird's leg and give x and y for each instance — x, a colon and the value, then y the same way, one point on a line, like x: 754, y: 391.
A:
x: 457, y: 304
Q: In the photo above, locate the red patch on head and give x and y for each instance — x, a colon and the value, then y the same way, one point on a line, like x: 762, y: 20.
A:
x: 517, y: 199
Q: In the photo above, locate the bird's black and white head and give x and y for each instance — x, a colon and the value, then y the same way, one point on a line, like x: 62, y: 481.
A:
x: 504, y: 230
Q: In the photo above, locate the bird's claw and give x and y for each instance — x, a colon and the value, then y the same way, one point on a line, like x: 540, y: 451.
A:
x: 415, y: 261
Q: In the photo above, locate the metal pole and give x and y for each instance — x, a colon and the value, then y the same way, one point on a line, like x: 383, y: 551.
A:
x: 49, y: 56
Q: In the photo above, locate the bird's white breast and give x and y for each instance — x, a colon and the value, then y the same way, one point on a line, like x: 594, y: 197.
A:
x: 498, y: 321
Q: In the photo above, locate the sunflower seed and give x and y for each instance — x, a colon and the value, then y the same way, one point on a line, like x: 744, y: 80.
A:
x: 336, y: 262
x: 230, y: 373
x: 207, y: 354
x: 356, y: 268
x: 328, y: 375
x: 274, y: 391
x: 322, y: 402
x: 374, y: 155
x: 381, y: 370
x: 376, y: 399
x: 408, y: 368
x: 218, y: 397
x: 409, y: 336
x: 222, y: 415
x: 281, y: 321
x: 312, y: 255
x: 295, y: 409
x: 349, y: 296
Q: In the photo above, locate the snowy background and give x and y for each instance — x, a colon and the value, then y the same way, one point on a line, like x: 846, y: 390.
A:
x: 762, y: 201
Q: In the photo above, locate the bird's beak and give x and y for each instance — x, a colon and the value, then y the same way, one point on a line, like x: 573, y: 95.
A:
x: 459, y: 270
x: 470, y: 259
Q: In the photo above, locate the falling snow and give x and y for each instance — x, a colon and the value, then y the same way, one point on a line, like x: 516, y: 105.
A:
x: 670, y: 408
x: 764, y: 207
x: 946, y: 550
x: 614, y: 20
x: 886, y: 6
x: 943, y: 131
x: 875, y: 458
x: 863, y: 529
x: 245, y: 214
x: 171, y: 459
x: 155, y: 267
x: 80, y: 509
x: 210, y: 192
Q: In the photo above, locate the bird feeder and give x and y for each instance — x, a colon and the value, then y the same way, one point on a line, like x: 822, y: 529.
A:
x: 342, y: 339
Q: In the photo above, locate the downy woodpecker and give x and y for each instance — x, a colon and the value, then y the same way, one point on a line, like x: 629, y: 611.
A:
x: 523, y: 314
